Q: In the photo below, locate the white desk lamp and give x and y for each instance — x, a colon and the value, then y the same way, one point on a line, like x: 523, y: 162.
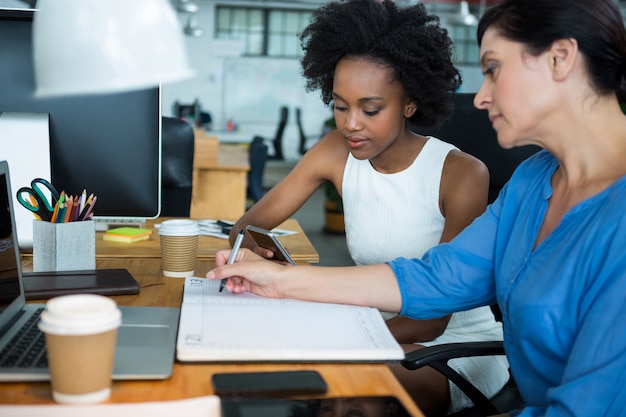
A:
x: 106, y: 46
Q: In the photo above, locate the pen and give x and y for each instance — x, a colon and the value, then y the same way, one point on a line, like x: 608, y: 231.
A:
x: 88, y: 208
x: 68, y: 211
x: 233, y: 255
x: 83, y: 200
x: 57, y: 208
x: 33, y: 202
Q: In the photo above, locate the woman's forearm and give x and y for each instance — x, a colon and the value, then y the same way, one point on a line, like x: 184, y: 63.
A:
x: 371, y: 285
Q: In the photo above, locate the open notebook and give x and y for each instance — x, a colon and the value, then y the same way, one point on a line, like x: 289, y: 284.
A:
x: 226, y: 327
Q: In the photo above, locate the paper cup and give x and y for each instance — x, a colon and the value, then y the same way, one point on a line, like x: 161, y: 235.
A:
x: 81, y: 332
x: 179, y: 247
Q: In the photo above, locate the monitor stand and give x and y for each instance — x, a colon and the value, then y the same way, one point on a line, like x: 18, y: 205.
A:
x: 104, y: 223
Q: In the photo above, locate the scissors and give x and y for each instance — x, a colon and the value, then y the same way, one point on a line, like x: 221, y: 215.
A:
x: 37, y: 200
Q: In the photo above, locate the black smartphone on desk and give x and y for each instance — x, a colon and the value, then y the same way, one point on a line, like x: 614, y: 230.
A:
x: 374, y: 406
x: 268, y: 240
x: 272, y: 384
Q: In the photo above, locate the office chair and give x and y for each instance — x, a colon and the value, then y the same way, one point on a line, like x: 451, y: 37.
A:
x: 437, y: 357
x: 278, y: 137
x: 302, y: 148
x: 177, y: 148
x: 470, y: 130
x: 258, y: 156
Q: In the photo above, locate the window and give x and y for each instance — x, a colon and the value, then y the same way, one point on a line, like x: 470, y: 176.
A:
x: 263, y: 32
x: 465, y: 47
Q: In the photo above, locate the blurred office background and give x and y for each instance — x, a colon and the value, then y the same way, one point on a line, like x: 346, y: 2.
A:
x: 246, y: 54
x: 246, y: 57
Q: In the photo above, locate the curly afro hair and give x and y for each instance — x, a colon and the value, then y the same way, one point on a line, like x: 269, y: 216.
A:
x: 407, y: 40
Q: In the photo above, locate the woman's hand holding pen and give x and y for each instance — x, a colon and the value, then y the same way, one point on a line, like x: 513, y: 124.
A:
x: 250, y: 272
x: 369, y: 285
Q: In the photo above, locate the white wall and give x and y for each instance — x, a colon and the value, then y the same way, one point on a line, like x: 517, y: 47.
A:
x: 248, y: 90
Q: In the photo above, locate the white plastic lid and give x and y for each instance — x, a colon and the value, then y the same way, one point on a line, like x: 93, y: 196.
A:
x: 80, y: 314
x: 179, y: 227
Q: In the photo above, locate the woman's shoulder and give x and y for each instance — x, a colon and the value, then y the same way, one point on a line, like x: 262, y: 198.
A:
x: 456, y: 160
x: 462, y: 166
x: 327, y: 157
x: 331, y: 145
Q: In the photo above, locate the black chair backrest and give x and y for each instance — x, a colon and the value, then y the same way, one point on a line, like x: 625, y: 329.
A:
x: 278, y: 137
x: 177, y: 148
x: 282, y: 122
x: 299, y: 121
x: 258, y: 157
x: 302, y: 145
x: 470, y: 130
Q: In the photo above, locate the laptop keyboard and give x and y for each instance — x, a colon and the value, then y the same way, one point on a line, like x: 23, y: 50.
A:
x: 27, y: 349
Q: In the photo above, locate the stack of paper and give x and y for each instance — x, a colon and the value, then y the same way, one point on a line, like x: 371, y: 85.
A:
x: 207, y: 406
x: 127, y: 234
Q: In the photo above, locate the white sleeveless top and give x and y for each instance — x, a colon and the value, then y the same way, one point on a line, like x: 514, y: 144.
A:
x: 393, y: 215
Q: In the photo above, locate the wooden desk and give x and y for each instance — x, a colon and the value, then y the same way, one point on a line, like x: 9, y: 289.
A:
x: 299, y: 246
x: 219, y: 180
x: 235, y: 136
x: 194, y: 380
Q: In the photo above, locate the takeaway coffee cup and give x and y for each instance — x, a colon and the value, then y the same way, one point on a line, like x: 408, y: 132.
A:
x: 179, y: 247
x: 80, y: 332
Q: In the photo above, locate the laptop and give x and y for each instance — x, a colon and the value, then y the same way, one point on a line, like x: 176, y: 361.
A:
x: 146, y: 340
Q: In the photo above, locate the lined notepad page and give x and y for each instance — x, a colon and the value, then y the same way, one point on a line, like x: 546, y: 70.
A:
x: 208, y: 406
x: 225, y: 327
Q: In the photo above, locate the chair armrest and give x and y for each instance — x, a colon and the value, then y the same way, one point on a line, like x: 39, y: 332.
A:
x: 444, y: 352
x: 437, y: 357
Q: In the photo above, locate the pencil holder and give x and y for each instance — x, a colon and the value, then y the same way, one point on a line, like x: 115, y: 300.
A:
x: 64, y: 246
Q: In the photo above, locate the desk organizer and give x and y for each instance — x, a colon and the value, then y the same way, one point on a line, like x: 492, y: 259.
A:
x: 64, y: 246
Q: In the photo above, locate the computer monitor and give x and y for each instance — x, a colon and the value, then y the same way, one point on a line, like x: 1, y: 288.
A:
x: 108, y: 144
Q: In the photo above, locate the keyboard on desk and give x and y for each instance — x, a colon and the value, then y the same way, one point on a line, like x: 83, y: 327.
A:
x: 27, y: 349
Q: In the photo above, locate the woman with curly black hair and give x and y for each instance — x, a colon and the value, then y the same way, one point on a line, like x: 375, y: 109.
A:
x: 384, y: 67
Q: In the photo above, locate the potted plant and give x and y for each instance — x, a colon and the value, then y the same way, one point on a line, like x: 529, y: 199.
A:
x: 333, y: 210
x: 333, y: 204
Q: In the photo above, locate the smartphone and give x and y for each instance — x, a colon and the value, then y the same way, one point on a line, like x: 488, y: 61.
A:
x: 376, y: 406
x: 274, y: 383
x: 266, y: 239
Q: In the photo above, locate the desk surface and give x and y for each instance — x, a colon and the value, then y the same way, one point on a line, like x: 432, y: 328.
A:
x: 209, y: 153
x: 220, y: 174
x: 231, y: 136
x: 194, y: 380
x: 298, y: 245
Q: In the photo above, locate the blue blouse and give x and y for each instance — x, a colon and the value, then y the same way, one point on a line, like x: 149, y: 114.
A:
x: 563, y: 303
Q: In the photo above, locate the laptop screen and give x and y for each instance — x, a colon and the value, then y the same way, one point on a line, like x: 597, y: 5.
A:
x: 9, y: 278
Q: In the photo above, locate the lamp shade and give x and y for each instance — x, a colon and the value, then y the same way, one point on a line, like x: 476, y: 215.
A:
x: 97, y: 47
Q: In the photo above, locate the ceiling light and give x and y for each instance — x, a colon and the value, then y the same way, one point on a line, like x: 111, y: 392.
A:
x: 464, y: 17
x: 186, y: 6
x: 191, y: 28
